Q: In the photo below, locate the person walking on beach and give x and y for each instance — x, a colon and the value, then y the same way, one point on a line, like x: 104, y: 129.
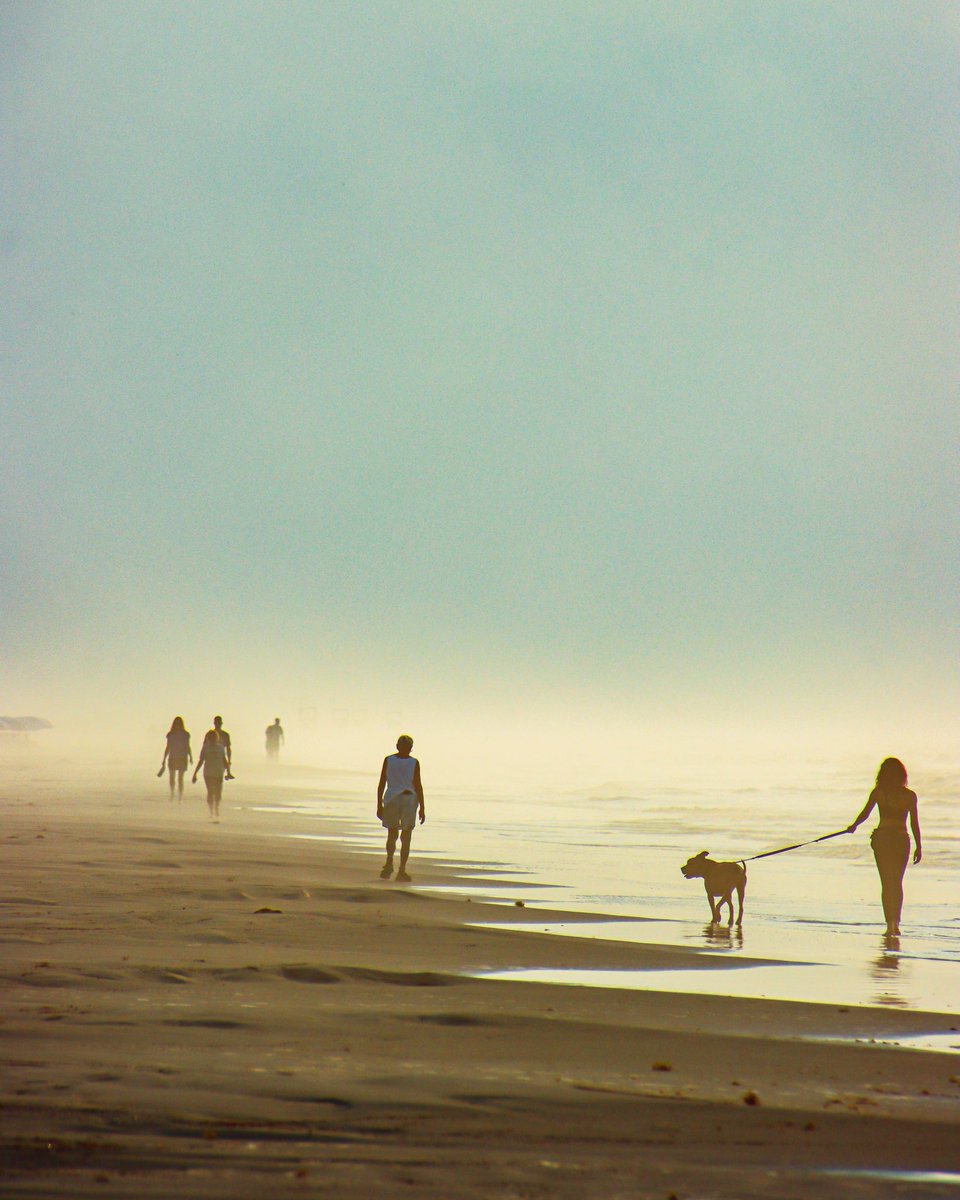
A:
x: 225, y: 742
x: 275, y: 739
x: 399, y: 797
x: 894, y: 802
x: 176, y: 755
x: 213, y: 758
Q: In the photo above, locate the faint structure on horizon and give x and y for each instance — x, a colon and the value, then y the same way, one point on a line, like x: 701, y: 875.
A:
x: 23, y: 724
x: 17, y: 728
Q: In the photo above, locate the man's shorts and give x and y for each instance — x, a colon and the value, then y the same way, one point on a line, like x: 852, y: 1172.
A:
x: 400, y: 812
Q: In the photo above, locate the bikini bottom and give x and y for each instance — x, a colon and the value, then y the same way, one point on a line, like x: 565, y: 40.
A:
x: 891, y: 847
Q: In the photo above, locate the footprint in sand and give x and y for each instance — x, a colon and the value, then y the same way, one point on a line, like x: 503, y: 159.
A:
x: 204, y: 1023
x: 460, y: 1020
x: 237, y: 974
x: 308, y: 975
x: 402, y: 978
x: 165, y: 975
x: 325, y: 1101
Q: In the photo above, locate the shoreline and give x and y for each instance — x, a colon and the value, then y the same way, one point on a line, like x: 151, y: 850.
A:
x: 175, y: 993
x: 848, y: 963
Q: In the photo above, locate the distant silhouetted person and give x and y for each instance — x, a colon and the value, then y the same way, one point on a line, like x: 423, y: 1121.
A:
x: 213, y: 759
x: 894, y: 802
x: 177, y: 755
x: 399, y: 797
x: 275, y: 739
x: 225, y: 741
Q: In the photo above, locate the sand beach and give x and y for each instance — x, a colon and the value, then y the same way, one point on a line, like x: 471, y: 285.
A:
x: 201, y: 1010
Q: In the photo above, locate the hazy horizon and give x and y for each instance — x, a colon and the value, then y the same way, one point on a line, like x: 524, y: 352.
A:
x: 570, y: 381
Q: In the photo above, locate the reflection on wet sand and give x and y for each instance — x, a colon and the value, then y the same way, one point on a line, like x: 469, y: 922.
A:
x: 885, y: 971
x: 723, y: 936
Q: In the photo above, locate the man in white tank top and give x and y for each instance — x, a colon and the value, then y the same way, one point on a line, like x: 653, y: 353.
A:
x: 399, y: 798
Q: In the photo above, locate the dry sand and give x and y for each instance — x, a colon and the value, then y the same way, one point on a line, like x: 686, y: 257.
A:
x: 200, y: 1010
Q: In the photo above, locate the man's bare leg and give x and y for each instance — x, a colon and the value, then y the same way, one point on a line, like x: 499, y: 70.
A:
x: 405, y: 836
x: 391, y: 846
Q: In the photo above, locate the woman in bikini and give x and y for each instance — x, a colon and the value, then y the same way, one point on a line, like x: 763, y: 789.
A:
x: 213, y: 759
x: 176, y: 756
x: 894, y: 802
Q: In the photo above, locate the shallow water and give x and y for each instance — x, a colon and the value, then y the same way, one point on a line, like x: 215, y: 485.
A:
x: 617, y: 849
x: 935, y: 990
x: 922, y: 1184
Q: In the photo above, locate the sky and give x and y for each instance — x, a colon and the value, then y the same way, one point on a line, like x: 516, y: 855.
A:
x: 582, y: 375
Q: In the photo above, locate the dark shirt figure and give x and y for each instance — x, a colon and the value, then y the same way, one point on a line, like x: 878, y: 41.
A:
x: 890, y: 841
x: 275, y: 739
x: 224, y: 738
x: 176, y: 755
x: 399, y: 797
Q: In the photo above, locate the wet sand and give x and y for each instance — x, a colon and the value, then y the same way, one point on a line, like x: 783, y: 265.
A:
x: 210, y: 1010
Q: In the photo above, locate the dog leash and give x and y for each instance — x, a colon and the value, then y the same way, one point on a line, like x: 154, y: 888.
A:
x: 783, y: 849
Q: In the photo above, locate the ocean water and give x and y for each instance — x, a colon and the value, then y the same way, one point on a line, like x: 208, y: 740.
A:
x: 614, y: 849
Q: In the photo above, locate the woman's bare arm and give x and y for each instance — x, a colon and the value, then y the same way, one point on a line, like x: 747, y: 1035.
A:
x: 915, y: 827
x: 864, y: 812
x: 200, y: 761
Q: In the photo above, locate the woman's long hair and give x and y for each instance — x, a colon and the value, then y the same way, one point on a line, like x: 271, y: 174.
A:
x: 892, y: 775
x: 177, y: 726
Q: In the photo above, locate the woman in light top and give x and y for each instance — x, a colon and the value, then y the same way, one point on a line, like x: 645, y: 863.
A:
x: 176, y: 755
x: 399, y: 798
x: 894, y: 802
x: 213, y: 759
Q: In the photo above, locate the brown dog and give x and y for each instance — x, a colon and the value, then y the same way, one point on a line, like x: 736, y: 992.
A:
x: 719, y: 879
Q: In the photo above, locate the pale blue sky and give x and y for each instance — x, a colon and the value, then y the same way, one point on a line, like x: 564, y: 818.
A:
x: 501, y: 351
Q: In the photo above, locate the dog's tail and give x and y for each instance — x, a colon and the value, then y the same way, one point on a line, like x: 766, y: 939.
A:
x: 743, y: 863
